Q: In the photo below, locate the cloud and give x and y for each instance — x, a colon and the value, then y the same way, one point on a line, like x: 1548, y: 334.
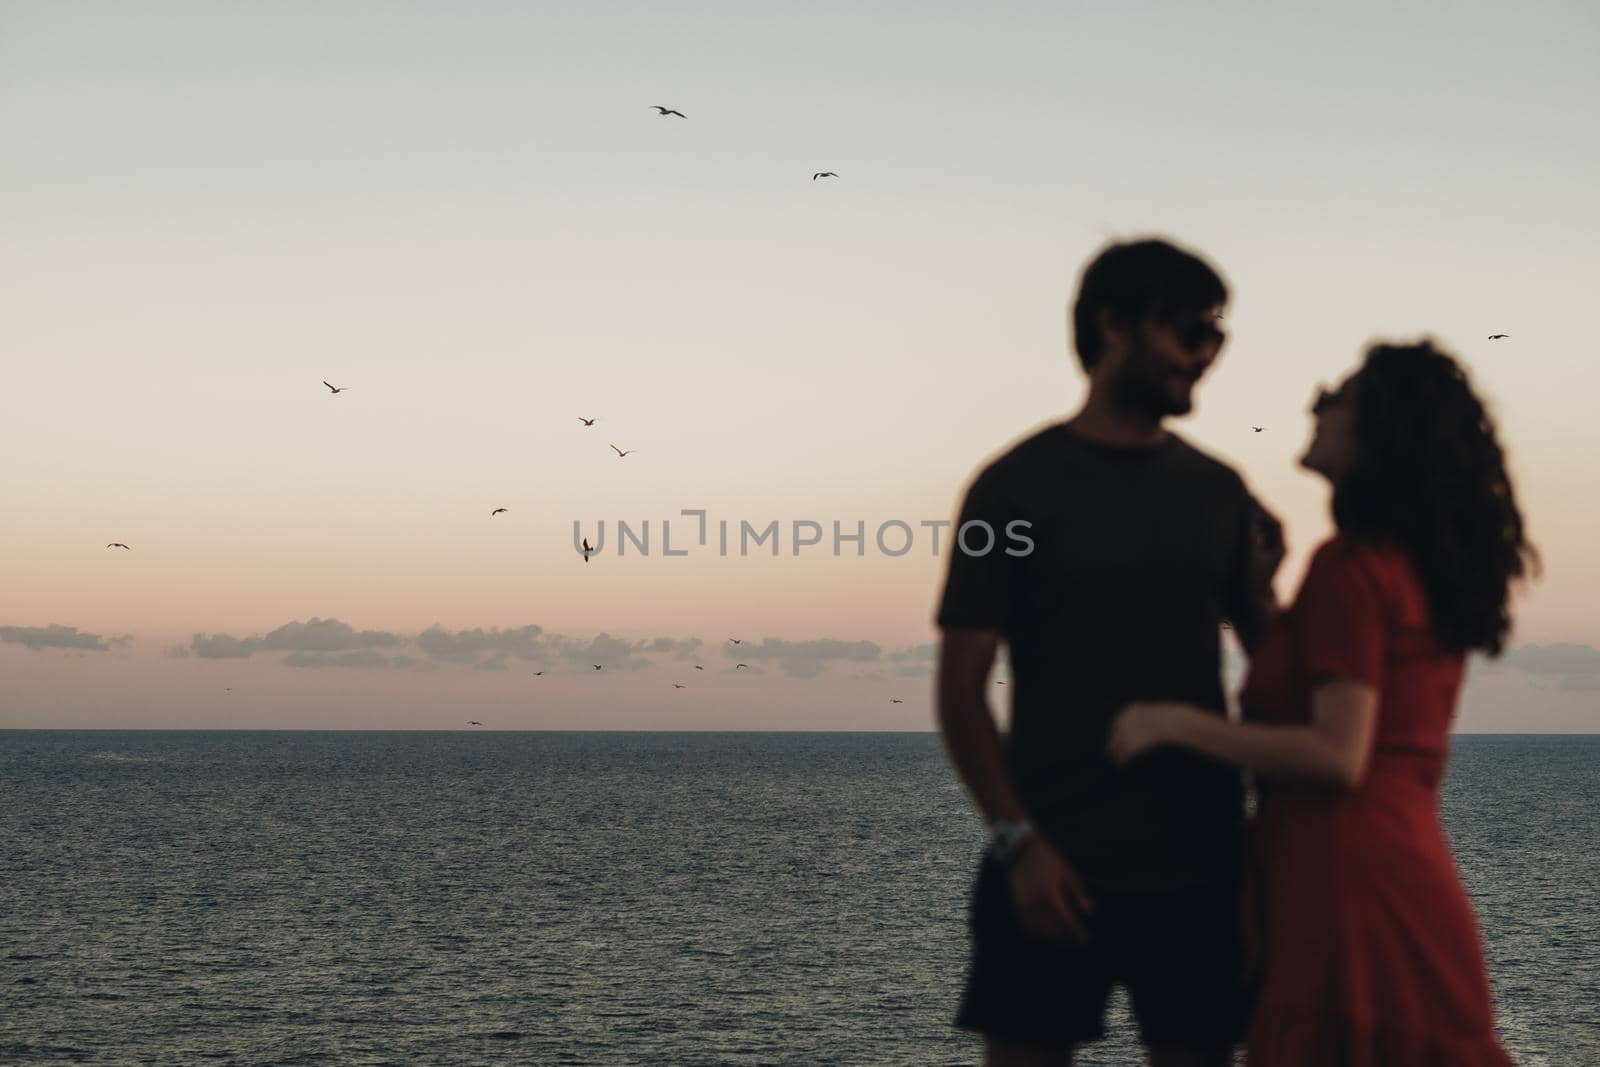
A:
x: 364, y: 658
x: 913, y: 662
x: 314, y: 635
x: 1554, y: 659
x: 805, y: 659
x: 58, y: 636
x: 1566, y: 667
x: 613, y: 653
x: 465, y: 646
x: 224, y: 646
x: 325, y: 635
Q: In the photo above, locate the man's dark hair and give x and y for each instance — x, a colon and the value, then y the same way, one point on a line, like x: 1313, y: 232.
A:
x: 1137, y: 281
x: 1430, y: 478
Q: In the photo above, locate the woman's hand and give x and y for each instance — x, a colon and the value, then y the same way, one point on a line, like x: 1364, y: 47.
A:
x: 1144, y: 725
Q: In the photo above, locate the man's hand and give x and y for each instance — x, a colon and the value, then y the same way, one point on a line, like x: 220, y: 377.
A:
x: 1049, y: 897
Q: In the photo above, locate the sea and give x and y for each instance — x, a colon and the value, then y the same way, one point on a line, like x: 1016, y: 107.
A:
x: 605, y: 898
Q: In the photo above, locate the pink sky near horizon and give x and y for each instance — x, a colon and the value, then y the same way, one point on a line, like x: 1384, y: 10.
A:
x: 483, y: 231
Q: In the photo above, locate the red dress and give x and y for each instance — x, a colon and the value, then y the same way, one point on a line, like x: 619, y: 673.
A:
x: 1368, y: 950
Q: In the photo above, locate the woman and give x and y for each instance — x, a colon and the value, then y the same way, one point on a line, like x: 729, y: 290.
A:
x: 1368, y: 950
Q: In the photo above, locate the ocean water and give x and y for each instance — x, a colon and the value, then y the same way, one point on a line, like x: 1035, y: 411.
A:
x: 571, y: 898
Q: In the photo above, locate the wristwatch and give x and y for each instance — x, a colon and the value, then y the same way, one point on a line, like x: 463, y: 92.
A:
x: 1006, y: 838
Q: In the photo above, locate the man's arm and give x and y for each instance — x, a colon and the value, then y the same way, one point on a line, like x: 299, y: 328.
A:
x: 1049, y: 897
x: 967, y: 725
x: 1254, y: 603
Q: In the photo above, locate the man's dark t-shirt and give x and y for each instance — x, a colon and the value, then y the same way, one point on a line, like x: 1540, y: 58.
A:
x: 1138, y: 554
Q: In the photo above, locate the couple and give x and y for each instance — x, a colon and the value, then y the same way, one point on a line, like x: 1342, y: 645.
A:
x: 1336, y: 931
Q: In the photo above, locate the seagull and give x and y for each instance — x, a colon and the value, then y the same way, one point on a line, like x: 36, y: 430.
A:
x: 622, y: 452
x: 1258, y: 429
x: 586, y: 550
x: 497, y: 511
x: 118, y: 544
x: 1499, y: 336
x: 675, y: 685
x: 736, y: 640
x: 337, y: 389
x: 823, y: 174
x: 896, y: 700
x: 597, y: 666
x: 474, y: 722
x: 736, y: 666
x: 698, y: 667
x: 586, y: 422
x: 665, y: 111
x: 537, y: 673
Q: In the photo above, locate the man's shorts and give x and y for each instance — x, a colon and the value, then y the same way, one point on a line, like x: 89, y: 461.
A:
x: 1178, y: 952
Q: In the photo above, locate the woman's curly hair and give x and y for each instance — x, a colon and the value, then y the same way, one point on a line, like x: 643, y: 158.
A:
x: 1430, y: 478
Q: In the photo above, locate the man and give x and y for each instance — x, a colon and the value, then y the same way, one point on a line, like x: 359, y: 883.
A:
x: 1141, y: 547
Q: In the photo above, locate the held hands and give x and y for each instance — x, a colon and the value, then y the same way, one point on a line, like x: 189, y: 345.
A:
x: 1142, y: 726
x: 1048, y: 896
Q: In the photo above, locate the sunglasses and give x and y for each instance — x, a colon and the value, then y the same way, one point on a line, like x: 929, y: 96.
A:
x: 1197, y: 332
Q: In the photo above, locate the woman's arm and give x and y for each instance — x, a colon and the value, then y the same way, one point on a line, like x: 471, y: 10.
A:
x: 1333, y: 749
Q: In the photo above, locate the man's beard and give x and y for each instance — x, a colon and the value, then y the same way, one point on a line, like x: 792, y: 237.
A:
x: 1144, y: 388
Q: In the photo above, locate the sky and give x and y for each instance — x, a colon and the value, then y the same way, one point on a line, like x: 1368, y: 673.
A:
x: 471, y: 218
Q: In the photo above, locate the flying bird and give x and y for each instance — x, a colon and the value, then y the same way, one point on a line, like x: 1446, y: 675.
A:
x: 1498, y: 336
x: 622, y: 452
x: 597, y: 666
x: 337, y: 389
x: 665, y: 111
x: 998, y: 682
x: 537, y: 673
x: 896, y: 700
x: 474, y: 722
x: 1258, y: 429
x: 823, y: 174
x: 737, y: 666
x: 698, y: 667
x: 118, y: 544
x: 586, y: 422
x: 587, y: 551
x: 675, y: 685
x: 497, y: 511
x: 736, y: 640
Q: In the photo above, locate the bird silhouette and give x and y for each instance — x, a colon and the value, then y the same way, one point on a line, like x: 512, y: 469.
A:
x: 737, y: 640
x: 1258, y: 429
x: 474, y: 722
x: 597, y: 666
x: 587, y: 551
x: 823, y: 174
x: 698, y: 667
x: 622, y: 452
x: 337, y: 389
x: 665, y: 111
x: 537, y: 673
x: 1498, y: 336
x: 497, y: 511
x: 586, y: 422
x: 896, y: 700
x: 740, y: 666
x: 675, y: 685
x: 118, y: 544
